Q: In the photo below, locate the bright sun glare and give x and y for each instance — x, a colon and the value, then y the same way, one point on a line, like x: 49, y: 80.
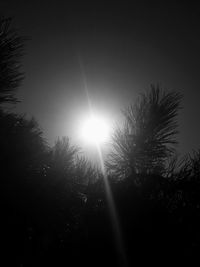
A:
x: 95, y: 130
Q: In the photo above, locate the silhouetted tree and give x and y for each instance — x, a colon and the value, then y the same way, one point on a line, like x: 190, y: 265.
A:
x: 85, y: 171
x: 11, y: 51
x: 63, y: 181
x: 21, y: 142
x: 194, y: 162
x: 146, y: 139
x: 22, y: 155
x: 63, y: 155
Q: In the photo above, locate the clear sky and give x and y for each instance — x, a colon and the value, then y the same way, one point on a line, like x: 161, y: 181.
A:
x: 123, y: 49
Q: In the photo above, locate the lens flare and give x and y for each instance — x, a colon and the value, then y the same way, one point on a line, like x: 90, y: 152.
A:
x: 95, y: 130
x: 113, y: 213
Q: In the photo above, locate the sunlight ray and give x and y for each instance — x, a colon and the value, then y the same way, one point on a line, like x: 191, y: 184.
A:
x: 113, y: 211
x: 110, y: 200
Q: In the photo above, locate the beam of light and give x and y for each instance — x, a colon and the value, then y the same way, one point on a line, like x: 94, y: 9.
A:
x: 113, y: 212
x: 111, y: 204
x: 85, y: 83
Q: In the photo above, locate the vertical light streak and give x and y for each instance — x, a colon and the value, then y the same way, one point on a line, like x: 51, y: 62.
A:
x: 85, y: 85
x: 110, y: 201
x: 113, y: 212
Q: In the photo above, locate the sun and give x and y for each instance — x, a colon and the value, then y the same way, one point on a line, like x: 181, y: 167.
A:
x: 95, y: 130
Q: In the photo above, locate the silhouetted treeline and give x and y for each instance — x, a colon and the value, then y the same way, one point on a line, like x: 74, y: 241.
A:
x: 55, y: 209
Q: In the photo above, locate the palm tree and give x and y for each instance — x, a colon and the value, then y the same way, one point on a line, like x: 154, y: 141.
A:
x: 11, y: 51
x: 147, y: 137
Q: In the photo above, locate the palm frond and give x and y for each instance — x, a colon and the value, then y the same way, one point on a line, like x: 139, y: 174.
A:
x: 148, y: 134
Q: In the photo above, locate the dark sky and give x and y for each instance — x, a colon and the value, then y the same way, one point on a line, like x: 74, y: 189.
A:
x: 123, y: 49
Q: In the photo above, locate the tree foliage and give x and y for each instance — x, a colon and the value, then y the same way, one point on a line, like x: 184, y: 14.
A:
x: 85, y: 171
x: 63, y: 154
x: 54, y: 203
x: 21, y: 141
x: 148, y: 135
x: 11, y: 51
